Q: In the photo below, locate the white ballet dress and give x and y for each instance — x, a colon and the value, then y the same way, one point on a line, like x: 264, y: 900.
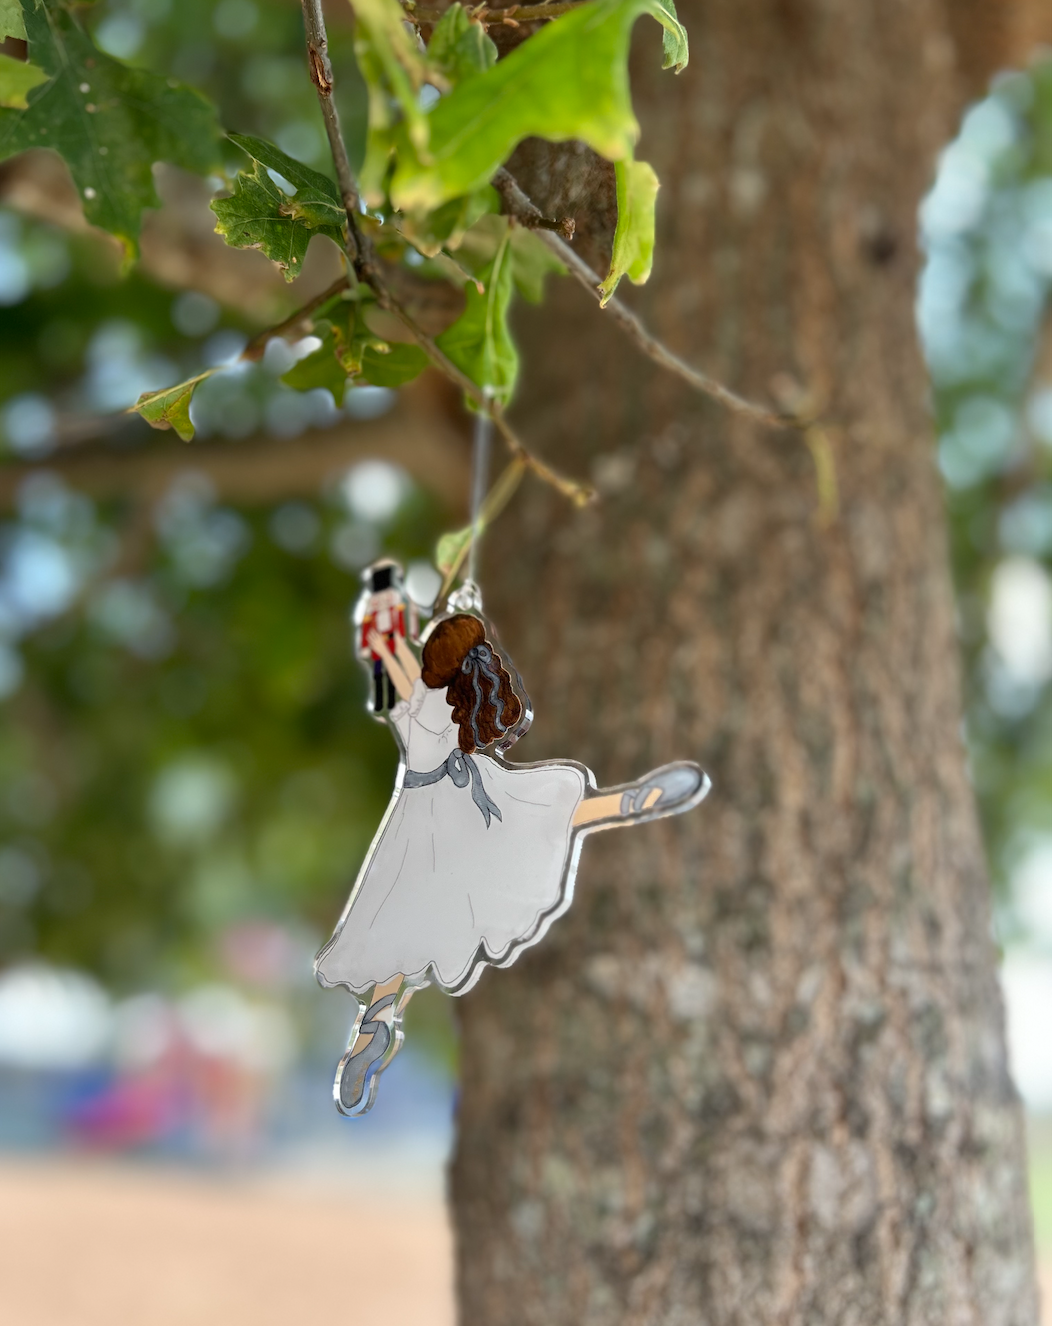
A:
x: 467, y: 869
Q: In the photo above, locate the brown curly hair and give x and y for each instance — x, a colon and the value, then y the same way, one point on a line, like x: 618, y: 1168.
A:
x: 442, y: 663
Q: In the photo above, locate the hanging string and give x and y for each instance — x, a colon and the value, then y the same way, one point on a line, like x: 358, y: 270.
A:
x: 479, y: 481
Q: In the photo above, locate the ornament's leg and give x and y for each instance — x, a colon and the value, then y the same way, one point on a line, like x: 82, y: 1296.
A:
x: 665, y: 791
x: 374, y: 1042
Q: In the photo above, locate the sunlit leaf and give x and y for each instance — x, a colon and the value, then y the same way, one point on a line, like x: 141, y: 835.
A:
x: 17, y: 79
x: 394, y: 72
x: 570, y: 80
x: 260, y: 214
x: 633, y: 251
x: 170, y: 408
x: 109, y: 122
x: 480, y: 342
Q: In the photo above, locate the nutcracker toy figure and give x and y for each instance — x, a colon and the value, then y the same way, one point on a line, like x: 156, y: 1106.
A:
x: 383, y: 609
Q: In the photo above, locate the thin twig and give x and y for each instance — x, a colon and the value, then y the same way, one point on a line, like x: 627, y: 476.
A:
x: 321, y: 77
x: 488, y: 16
x: 522, y: 208
x: 578, y: 493
x: 258, y: 344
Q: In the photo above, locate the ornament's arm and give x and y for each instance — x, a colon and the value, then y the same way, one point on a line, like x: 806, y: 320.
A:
x: 410, y: 666
x: 399, y: 680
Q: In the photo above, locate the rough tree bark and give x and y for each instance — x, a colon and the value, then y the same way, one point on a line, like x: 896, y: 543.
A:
x: 757, y: 1074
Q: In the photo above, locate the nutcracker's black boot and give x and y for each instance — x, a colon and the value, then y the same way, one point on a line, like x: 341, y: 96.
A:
x: 379, y: 677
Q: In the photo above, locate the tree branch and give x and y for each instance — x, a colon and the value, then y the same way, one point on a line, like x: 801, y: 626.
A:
x: 578, y: 493
x: 258, y: 344
x: 360, y: 256
x: 523, y: 209
x: 321, y: 77
x: 512, y: 16
x: 417, y: 434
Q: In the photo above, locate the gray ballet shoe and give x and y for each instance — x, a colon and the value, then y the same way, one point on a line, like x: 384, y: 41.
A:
x: 681, y: 785
x: 356, y: 1077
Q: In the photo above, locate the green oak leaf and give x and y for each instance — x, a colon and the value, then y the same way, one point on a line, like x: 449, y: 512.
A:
x: 633, y: 251
x: 17, y: 79
x: 321, y: 368
x: 109, y: 122
x: 393, y: 367
x: 12, y: 24
x: 261, y: 215
x: 459, y: 48
x: 570, y: 80
x: 674, y: 38
x: 170, y: 408
x: 479, y: 342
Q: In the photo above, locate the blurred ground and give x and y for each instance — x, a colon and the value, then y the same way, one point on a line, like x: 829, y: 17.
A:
x: 95, y: 1243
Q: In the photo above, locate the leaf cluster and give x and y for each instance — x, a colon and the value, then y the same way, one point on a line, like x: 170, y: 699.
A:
x: 426, y: 176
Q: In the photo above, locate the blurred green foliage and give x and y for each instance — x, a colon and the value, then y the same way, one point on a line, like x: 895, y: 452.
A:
x: 188, y: 747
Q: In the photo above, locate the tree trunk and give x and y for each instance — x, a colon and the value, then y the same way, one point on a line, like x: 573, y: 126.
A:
x: 757, y: 1074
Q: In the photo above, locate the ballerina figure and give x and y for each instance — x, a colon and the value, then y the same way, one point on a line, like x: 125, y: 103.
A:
x: 475, y: 856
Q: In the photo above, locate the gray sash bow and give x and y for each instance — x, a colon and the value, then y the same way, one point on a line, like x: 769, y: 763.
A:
x: 461, y: 768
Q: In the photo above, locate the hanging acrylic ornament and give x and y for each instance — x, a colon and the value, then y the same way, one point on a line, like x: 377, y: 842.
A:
x: 476, y: 855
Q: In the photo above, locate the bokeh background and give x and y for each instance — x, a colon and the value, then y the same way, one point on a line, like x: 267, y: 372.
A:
x: 188, y: 777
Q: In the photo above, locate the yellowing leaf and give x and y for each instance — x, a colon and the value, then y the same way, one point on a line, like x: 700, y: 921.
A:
x: 170, y: 408
x: 633, y: 252
x: 570, y: 80
x: 17, y: 79
x: 350, y: 349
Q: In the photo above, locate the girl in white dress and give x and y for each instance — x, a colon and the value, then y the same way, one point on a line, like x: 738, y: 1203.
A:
x: 475, y: 856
